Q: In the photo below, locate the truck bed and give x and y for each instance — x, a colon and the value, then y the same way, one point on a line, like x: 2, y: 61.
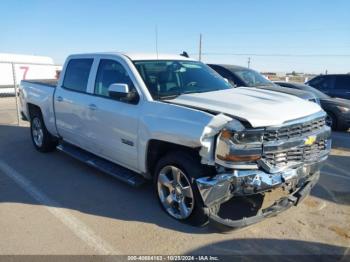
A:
x: 41, y: 94
x: 46, y: 82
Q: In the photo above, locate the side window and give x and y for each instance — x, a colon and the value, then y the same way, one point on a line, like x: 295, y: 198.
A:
x: 77, y: 74
x: 225, y: 74
x: 323, y: 83
x: 342, y: 82
x: 111, y: 72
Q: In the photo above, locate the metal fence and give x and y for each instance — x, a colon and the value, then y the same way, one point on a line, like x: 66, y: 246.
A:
x: 9, y: 107
x: 11, y: 75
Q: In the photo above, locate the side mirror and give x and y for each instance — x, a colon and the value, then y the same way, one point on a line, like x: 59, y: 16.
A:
x: 117, y: 91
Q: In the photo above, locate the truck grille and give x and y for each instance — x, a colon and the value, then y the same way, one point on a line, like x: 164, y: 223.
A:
x: 298, y: 154
x: 296, y: 130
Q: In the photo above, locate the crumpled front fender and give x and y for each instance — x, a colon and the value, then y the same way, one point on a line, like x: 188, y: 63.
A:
x: 295, y: 183
x: 277, y: 207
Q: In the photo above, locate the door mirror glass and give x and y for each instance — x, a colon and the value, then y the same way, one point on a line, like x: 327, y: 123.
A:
x: 117, y: 91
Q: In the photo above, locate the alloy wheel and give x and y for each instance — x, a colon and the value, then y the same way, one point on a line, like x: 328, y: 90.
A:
x: 37, y: 131
x: 175, y: 192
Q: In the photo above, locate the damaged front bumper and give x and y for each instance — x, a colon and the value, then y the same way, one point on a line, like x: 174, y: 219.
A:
x: 293, y: 185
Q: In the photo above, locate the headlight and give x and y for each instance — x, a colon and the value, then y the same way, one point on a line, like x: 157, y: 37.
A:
x: 239, y: 149
x: 343, y: 109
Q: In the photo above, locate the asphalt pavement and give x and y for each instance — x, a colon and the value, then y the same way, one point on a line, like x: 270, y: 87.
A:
x: 53, y: 204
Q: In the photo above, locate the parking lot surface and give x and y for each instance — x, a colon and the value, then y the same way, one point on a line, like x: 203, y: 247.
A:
x: 53, y: 204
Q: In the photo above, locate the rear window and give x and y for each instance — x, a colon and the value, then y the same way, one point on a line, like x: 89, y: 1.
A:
x: 321, y: 82
x: 77, y: 74
x: 342, y: 82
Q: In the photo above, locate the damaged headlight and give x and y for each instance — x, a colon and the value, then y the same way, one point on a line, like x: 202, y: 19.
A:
x: 240, y: 149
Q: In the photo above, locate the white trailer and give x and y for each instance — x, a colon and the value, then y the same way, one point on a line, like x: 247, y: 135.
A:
x: 15, y: 67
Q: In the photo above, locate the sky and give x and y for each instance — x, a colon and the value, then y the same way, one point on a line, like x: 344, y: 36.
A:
x: 280, y: 36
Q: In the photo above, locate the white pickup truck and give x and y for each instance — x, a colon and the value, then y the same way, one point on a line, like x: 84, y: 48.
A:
x: 176, y: 121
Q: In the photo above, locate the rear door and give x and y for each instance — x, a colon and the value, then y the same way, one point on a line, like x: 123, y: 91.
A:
x: 71, y: 102
x: 342, y: 86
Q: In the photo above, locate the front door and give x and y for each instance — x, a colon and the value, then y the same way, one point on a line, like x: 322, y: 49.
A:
x: 113, y: 124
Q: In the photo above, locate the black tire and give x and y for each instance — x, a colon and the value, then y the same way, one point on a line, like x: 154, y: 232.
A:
x: 192, y: 169
x: 332, y: 121
x: 336, y: 124
x: 48, y: 142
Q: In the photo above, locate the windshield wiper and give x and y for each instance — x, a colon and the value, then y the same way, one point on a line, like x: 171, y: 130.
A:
x: 169, y: 97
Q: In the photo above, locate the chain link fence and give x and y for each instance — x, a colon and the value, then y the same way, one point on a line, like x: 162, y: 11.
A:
x: 9, y: 113
x: 11, y: 75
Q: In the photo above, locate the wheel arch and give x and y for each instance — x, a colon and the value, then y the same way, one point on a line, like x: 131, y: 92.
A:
x: 158, y: 148
x: 32, y: 110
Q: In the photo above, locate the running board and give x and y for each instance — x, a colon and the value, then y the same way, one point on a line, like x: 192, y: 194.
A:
x: 102, y: 165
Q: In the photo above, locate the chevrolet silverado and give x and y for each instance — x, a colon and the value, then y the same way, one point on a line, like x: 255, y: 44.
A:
x: 232, y: 156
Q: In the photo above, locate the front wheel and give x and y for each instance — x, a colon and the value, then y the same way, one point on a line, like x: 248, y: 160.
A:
x: 176, y: 188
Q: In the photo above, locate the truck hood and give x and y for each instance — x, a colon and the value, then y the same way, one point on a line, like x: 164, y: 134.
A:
x: 257, y: 106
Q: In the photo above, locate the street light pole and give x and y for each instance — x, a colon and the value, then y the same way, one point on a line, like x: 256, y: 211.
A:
x: 200, y: 48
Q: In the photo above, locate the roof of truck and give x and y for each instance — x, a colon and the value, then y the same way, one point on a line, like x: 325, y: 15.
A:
x: 142, y: 56
x: 155, y: 56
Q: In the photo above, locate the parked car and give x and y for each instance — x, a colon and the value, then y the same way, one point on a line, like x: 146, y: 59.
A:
x: 338, y: 109
x: 332, y: 85
x: 14, y: 67
x: 241, y: 76
x: 174, y: 120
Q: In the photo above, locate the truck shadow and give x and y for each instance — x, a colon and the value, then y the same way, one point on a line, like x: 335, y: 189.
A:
x: 256, y: 249
x: 76, y: 186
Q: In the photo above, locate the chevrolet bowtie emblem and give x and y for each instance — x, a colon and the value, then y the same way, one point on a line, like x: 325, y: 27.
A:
x: 310, y: 140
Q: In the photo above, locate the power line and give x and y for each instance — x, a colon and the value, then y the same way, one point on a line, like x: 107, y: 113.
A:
x: 278, y: 55
x: 333, y: 29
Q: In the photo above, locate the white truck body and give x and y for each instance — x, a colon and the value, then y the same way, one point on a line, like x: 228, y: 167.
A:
x: 123, y: 132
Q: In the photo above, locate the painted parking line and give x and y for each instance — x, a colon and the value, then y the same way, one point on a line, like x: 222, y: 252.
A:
x: 335, y: 175
x: 80, y: 229
x: 338, y: 169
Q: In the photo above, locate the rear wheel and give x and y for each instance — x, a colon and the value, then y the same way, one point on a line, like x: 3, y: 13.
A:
x: 176, y: 188
x: 42, y: 140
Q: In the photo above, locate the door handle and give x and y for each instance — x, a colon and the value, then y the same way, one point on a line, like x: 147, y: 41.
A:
x: 59, y: 99
x: 92, y: 107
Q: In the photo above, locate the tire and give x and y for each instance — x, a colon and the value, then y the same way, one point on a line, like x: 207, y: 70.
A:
x: 331, y: 121
x: 42, y: 140
x: 336, y: 124
x: 190, y: 169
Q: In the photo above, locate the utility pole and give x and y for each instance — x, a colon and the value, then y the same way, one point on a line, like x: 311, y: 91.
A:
x: 200, y: 48
x: 156, y: 40
x: 248, y: 62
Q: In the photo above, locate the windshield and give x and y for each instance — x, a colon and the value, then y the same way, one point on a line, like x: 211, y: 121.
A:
x: 252, y: 78
x: 168, y: 79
